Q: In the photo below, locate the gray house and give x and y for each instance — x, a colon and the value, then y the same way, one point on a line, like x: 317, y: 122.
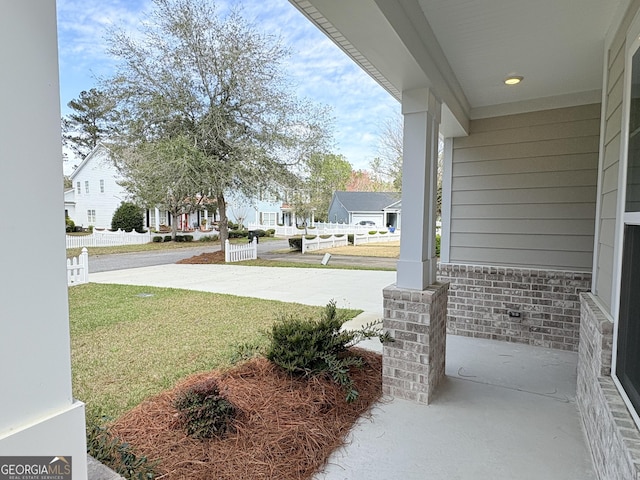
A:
x: 381, y: 208
x: 538, y: 106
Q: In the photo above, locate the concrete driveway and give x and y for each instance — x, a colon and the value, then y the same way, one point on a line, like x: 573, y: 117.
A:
x: 361, y: 289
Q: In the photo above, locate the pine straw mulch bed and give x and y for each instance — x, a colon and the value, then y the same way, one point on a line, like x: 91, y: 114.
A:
x: 286, y: 429
x: 207, y: 258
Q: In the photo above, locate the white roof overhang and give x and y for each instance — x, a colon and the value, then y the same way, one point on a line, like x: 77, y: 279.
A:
x: 462, y: 50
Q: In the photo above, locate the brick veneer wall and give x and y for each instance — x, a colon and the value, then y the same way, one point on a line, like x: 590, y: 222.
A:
x: 481, y: 296
x: 413, y: 365
x: 612, y: 435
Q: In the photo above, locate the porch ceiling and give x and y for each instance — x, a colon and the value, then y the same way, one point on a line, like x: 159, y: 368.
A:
x: 464, y: 49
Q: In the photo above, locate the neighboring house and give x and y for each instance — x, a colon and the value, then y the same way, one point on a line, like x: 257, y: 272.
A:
x: 541, y: 189
x: 266, y: 209
x: 381, y: 208
x: 96, y: 193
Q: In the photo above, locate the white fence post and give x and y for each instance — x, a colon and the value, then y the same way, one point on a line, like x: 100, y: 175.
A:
x: 227, y: 252
x: 78, y: 268
x: 84, y: 261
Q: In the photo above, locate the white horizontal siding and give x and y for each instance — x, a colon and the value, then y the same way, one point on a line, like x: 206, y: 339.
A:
x: 98, y: 167
x: 524, y: 190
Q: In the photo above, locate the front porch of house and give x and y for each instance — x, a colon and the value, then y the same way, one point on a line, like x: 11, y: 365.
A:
x: 502, y: 411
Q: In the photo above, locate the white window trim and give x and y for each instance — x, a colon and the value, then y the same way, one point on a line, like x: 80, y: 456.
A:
x: 632, y: 45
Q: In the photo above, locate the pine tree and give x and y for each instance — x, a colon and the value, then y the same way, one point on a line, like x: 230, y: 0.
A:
x: 89, y: 122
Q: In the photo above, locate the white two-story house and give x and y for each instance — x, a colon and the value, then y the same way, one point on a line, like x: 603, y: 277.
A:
x: 96, y: 194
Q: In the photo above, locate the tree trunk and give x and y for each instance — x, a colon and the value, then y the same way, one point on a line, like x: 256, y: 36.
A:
x: 223, y: 225
x: 174, y: 225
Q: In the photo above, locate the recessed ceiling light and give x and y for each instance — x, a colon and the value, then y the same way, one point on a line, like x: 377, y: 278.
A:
x: 513, y: 79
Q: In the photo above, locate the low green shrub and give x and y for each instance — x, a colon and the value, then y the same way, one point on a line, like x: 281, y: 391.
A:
x: 437, y: 245
x: 271, y: 232
x: 324, y: 236
x: 117, y: 455
x: 238, y: 233
x: 310, y: 347
x: 260, y: 233
x: 382, y: 232
x: 69, y: 225
x: 167, y: 238
x: 339, y: 235
x: 372, y: 232
x: 157, y: 239
x: 128, y: 217
x: 204, y: 411
x: 350, y: 238
x: 208, y: 238
x: 188, y: 238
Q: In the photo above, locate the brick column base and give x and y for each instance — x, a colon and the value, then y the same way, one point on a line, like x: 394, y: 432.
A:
x: 413, y: 365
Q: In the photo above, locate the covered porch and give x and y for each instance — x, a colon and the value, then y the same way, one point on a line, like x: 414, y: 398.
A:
x: 503, y: 411
x: 538, y: 106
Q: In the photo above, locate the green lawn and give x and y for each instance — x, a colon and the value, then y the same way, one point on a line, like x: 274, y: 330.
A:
x: 127, y: 345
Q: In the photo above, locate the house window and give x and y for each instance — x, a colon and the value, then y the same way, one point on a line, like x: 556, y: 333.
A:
x: 269, y: 218
x: 86, y: 186
x: 101, y: 186
x: 91, y: 217
x: 627, y: 348
x: 152, y: 217
x: 78, y: 190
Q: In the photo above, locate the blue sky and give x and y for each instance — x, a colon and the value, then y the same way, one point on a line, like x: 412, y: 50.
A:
x: 322, y: 71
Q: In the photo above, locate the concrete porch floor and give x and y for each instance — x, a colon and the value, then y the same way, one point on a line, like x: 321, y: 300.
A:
x: 505, y: 411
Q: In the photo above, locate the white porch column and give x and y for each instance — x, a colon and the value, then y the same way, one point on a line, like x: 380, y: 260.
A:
x: 157, y: 217
x: 417, y: 263
x: 38, y: 415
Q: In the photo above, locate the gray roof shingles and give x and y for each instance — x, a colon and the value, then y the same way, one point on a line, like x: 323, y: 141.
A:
x: 367, y: 201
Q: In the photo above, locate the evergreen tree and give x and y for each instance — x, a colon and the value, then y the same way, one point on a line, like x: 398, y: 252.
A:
x: 90, y: 121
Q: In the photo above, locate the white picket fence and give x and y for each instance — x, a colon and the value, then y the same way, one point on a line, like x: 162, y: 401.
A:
x: 364, y: 238
x: 78, y: 269
x: 317, y: 229
x: 106, y: 238
x: 319, y: 243
x: 241, y: 251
